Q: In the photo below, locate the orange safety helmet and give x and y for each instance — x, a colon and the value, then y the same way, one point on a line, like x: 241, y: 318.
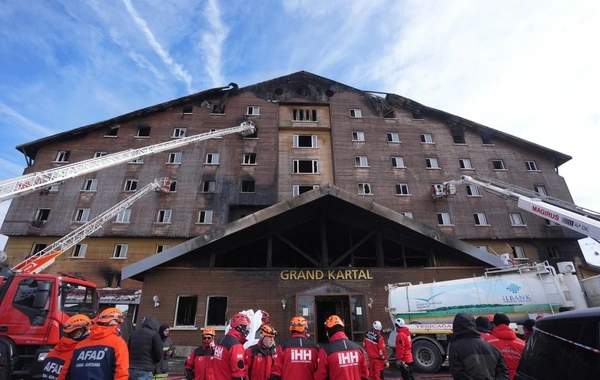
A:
x: 111, y: 314
x: 299, y: 324
x: 267, y: 330
x: 78, y: 321
x: 208, y: 331
x: 333, y: 320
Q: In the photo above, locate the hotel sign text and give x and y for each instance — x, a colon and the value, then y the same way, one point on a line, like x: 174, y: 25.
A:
x: 317, y: 274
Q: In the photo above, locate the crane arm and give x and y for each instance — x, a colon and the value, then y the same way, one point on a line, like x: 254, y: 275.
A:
x: 44, y: 258
x: 566, y: 214
x: 15, y: 187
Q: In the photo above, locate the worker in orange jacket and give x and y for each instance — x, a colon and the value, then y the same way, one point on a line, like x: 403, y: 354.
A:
x: 57, y: 361
x: 104, y: 355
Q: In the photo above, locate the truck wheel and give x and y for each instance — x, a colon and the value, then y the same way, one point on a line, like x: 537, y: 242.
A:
x: 427, y: 358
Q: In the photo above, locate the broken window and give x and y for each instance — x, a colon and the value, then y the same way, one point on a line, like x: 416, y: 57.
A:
x: 185, y: 311
x: 216, y: 311
x: 37, y: 248
x: 480, y: 219
x: 486, y: 140
x: 358, y: 136
x: 112, y: 131
x: 393, y: 137
x: 498, y: 165
x: 249, y: 159
x: 473, y: 191
x: 120, y: 251
x: 208, y: 186
x: 431, y: 163
x: 123, y: 216
x: 443, y: 219
x: 172, y: 186
x: 304, y: 141
x: 42, y: 214
x: 90, y: 185
x: 426, y: 138
x: 361, y: 162
x: 212, y: 158
x: 306, y: 167
x: 163, y: 216
x: 397, y: 162
x: 531, y: 166
x: 187, y: 110
x: 253, y: 110
x: 458, y: 138
x: 554, y: 252
x: 174, y: 158
x: 300, y: 189
x: 130, y: 185
x: 205, y: 217
x: 417, y: 115
x: 178, y: 133
x: 402, y: 189
x: 82, y: 215
x: 248, y: 186
x: 364, y: 189
x: 356, y: 112
x: 300, y: 114
x: 465, y: 163
x: 62, y: 156
x: 143, y: 131
x: 79, y: 250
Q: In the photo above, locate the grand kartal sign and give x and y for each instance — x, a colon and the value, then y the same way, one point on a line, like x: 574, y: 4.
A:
x: 333, y: 274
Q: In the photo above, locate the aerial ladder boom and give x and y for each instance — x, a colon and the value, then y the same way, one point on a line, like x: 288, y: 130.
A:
x: 563, y: 213
x: 15, y: 187
x: 46, y: 257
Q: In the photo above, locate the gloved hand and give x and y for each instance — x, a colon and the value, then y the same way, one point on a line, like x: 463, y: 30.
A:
x: 386, y: 364
x: 399, y: 364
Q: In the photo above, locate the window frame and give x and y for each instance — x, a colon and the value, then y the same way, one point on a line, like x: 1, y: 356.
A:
x: 444, y: 219
x: 554, y: 251
x: 429, y: 163
x: 396, y: 158
x: 516, y: 216
x: 130, y: 185
x: 474, y: 190
x: 37, y: 248
x: 393, y: 137
x: 481, y: 219
x: 426, y: 138
x: 39, y: 214
x: 122, y: 257
x: 211, y: 159
x: 100, y: 154
x: 531, y: 166
x: 544, y: 191
x: 195, y: 311
x: 164, y: 216
x: 82, y: 215
x: 90, y: 185
x: 187, y: 110
x: 518, y: 251
x: 460, y: 137
x: 314, y: 141
x: 126, y: 212
x: 501, y: 162
x: 407, y: 214
x: 365, y: 185
x: 216, y: 326
x: 62, y: 156
x: 299, y: 114
x: 210, y: 183
x: 249, y: 159
x: 356, y: 113
x: 247, y: 182
x: 174, y: 158
x: 79, y: 251
x: 146, y: 129
x: 361, y: 162
x: 162, y: 247
x: 250, y: 111
x: 296, y: 166
x: 402, y: 187
x: 465, y: 164
x: 208, y: 217
x: 296, y: 189
x: 179, y: 133
x: 358, y: 136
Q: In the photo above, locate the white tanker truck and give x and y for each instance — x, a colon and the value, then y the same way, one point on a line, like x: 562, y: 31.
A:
x: 520, y: 291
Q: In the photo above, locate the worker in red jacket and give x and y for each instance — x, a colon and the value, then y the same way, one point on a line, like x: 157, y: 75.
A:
x: 376, y: 352
x: 104, y: 355
x: 505, y: 339
x: 58, y: 360
x: 229, y: 351
x: 297, y: 357
x: 404, y: 358
x: 260, y: 357
x: 340, y: 359
x: 199, y: 364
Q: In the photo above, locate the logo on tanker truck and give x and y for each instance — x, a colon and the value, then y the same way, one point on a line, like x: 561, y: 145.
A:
x: 514, y: 288
x: 426, y: 302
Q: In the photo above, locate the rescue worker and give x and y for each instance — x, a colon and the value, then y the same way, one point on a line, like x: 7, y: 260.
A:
x: 298, y: 356
x: 505, y: 339
x: 199, y: 365
x: 376, y: 352
x: 104, y: 354
x: 57, y: 361
x: 229, y: 352
x: 162, y: 369
x: 145, y: 350
x: 404, y: 358
x: 340, y: 359
x: 260, y: 357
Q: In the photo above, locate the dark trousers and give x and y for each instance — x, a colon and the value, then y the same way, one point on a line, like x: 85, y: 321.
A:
x: 406, y: 371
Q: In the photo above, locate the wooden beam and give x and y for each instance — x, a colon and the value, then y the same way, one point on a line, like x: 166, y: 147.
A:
x: 324, y: 251
x: 351, y: 249
x: 307, y: 257
x: 269, y: 248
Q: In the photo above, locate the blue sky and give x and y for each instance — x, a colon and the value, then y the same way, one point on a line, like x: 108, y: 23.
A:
x: 531, y: 69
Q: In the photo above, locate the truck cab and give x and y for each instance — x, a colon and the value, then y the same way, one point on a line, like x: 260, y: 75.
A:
x: 33, y: 309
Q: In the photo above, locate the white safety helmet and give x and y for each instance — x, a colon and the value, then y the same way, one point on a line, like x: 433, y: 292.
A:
x: 400, y: 322
x: 377, y: 325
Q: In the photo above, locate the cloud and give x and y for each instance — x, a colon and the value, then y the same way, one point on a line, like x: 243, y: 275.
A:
x: 211, y: 43
x: 10, y: 169
x: 24, y: 125
x: 176, y: 69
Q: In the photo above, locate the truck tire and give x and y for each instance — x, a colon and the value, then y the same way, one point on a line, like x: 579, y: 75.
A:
x: 427, y: 358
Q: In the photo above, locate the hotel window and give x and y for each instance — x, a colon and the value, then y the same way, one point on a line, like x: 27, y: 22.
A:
x: 531, y: 166
x: 212, y: 159
x: 54, y: 188
x: 465, y: 163
x: 541, y: 190
x: 299, y: 114
x: 364, y: 189
x: 498, y: 165
x: 397, y: 162
x: 62, y: 156
x: 516, y: 219
x: 305, y: 166
x: 253, y: 110
x: 480, y: 219
x: 185, y: 311
x: 143, y: 132
x: 431, y: 163
x: 90, y: 185
x: 172, y: 186
x: 300, y: 189
x: 358, y: 136
x: 174, y: 158
x: 426, y: 138
x: 473, y: 191
x: 249, y: 159
x: 37, y: 248
x: 248, y: 186
x: 187, y: 110
x: 216, y: 311
x: 215, y: 130
x: 130, y: 185
x: 486, y: 140
x: 124, y: 216
x: 178, y: 133
x: 100, y: 154
x: 408, y: 214
x: 361, y: 162
x: 553, y: 252
x: 443, y: 219
x: 304, y: 141
x: 205, y: 217
x: 162, y: 247
x: 120, y: 251
x: 458, y: 139
x: 82, y: 215
x: 112, y: 131
x: 402, y: 189
x: 137, y: 161
x: 42, y: 214
x: 163, y: 216
x: 518, y: 252
x: 356, y: 112
x: 79, y: 251
x: 208, y: 186
x: 393, y: 137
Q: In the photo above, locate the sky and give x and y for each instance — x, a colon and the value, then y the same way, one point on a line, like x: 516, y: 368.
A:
x: 527, y: 68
